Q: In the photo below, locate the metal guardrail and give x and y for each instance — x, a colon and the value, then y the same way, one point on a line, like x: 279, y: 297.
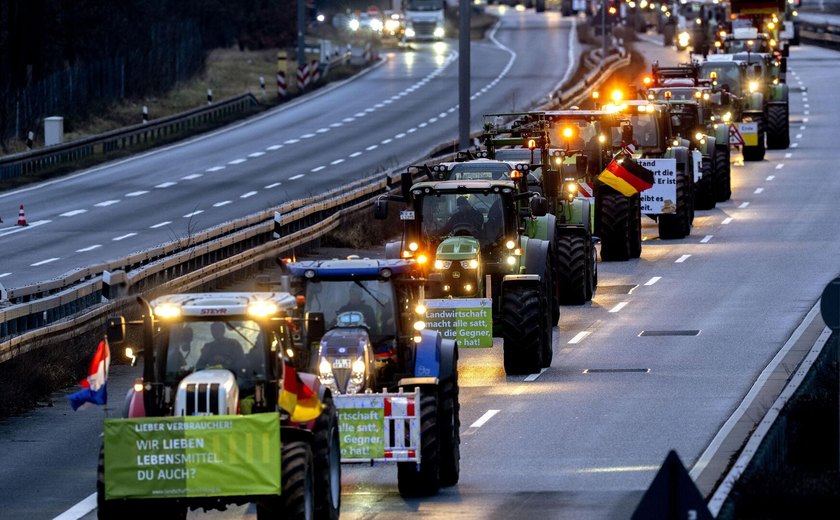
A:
x: 823, y: 34
x: 34, y: 161
x: 53, y: 308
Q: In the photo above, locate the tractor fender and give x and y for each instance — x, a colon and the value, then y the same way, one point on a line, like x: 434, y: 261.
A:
x: 448, y: 358
x: 511, y: 280
x: 292, y: 433
x: 755, y: 101
x: 711, y: 141
x: 536, y: 256
x: 393, y: 250
x: 778, y: 94
x: 545, y: 227
x: 577, y: 219
x: 427, y: 354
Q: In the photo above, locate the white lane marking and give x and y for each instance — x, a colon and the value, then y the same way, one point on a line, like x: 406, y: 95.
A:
x: 79, y: 510
x: 771, y: 177
x: 411, y: 130
x: 335, y: 125
x: 273, y: 185
x: 400, y: 135
x: 295, y: 177
x: 307, y: 136
x: 533, y: 377
x: 387, y: 101
x: 758, y: 190
x: 42, y: 262
x: 194, y: 213
x: 3, y: 275
x: 337, y: 161
x: 291, y: 141
x: 161, y: 224
x: 452, y: 109
x: 136, y: 193
x: 191, y: 177
x: 386, y: 141
x: 579, y: 337
x: 442, y: 114
x: 433, y: 120
x: 619, y: 307
x: 165, y: 185
x: 727, y: 220
x: 423, y: 125
x: 359, y: 114
x: 484, y: 418
x: 806, y: 105
x: 802, y: 127
x: 372, y: 147
x: 368, y: 110
x: 378, y: 105
x: 274, y: 147
x: 349, y: 119
x: 780, y: 166
x: 682, y: 259
x: 804, y: 119
x: 799, y: 136
x: 706, y: 239
x: 743, y: 205
x: 18, y: 229
x: 788, y: 155
x: 215, y: 169
x: 247, y: 195
x: 89, y: 248
x: 316, y: 169
x: 123, y: 237
x: 73, y: 213
x: 355, y: 154
x: 322, y: 130
x: 256, y: 154
x: 237, y: 161
x: 807, y: 112
x: 222, y: 203
x: 794, y: 145
x: 653, y: 280
x: 105, y: 203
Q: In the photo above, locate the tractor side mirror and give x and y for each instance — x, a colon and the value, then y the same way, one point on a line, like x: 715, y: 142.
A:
x: 314, y: 326
x: 539, y: 206
x: 116, y: 330
x: 380, y: 208
x: 581, y: 162
x: 551, y: 182
x: 627, y: 133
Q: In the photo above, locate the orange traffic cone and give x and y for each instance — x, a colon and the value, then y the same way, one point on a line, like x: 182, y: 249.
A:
x: 21, y: 217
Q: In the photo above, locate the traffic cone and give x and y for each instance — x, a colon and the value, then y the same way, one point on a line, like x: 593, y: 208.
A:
x: 21, y: 217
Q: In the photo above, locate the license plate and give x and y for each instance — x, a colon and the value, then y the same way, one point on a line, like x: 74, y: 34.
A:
x: 341, y: 363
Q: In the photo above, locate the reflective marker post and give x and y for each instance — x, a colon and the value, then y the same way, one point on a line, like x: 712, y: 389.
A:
x: 830, y: 310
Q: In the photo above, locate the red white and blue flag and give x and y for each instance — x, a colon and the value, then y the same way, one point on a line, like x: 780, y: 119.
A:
x: 94, y: 385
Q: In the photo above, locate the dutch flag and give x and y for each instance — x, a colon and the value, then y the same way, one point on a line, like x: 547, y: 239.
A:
x: 94, y: 385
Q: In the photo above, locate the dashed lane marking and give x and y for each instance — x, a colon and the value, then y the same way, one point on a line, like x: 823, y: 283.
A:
x: 191, y: 177
x: 788, y: 155
x: 3, y: 275
x: 771, y: 177
x: 619, y: 306
x: 315, y: 169
x: 579, y: 337
x: 295, y: 177
x: 780, y: 166
x: 161, y: 224
x: 372, y: 147
x: 73, y: 213
x: 727, y: 220
x: 123, y: 237
x: 758, y: 190
x: 706, y: 239
x: 682, y: 259
x: 386, y: 141
x: 42, y: 262
x: 248, y: 195
x: 273, y: 185
x: 222, y: 203
x: 743, y: 205
x: 237, y: 161
x: 291, y: 141
x: 653, y: 280
x: 105, y: 203
x: 533, y: 377
x: 355, y: 154
x: 337, y: 161
x: 194, y: 213
x: 256, y: 154
x: 89, y: 248
x: 215, y: 168
x: 484, y: 418
x: 136, y: 193
x: 165, y: 185
x: 274, y: 147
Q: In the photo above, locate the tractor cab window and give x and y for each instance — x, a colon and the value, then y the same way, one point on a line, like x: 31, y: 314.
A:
x: 474, y: 214
x: 575, y: 135
x: 684, y: 119
x: 726, y: 74
x: 355, y: 303
x: 233, y: 345
x: 484, y: 171
x: 644, y: 130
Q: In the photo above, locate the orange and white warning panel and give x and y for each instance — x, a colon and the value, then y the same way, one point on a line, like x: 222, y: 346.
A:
x: 381, y: 427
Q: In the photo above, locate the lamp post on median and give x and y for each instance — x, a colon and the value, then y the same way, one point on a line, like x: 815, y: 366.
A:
x: 464, y: 74
x: 301, y: 33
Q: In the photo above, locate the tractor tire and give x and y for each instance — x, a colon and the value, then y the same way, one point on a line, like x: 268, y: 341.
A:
x: 704, y: 190
x: 449, y: 419
x: 539, y: 6
x: 778, y: 127
x: 297, y: 497
x: 591, y: 269
x: 756, y: 153
x: 614, y: 216
x: 723, y: 175
x: 552, y: 280
x: 675, y: 225
x: 523, y: 319
x: 635, y: 249
x: 548, y: 325
x: 572, y: 262
x: 128, y: 510
x: 326, y: 452
x: 423, y: 480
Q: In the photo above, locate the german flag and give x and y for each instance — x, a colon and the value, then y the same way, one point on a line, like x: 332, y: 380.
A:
x: 300, y: 401
x: 626, y: 176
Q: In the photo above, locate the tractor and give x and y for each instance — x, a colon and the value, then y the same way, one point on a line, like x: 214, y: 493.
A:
x: 215, y: 369
x: 372, y: 350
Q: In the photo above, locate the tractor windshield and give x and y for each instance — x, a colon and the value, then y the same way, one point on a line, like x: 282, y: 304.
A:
x: 645, y: 131
x: 235, y: 345
x: 480, y: 170
x: 727, y: 74
x: 372, y: 299
x: 477, y: 215
x: 518, y: 155
x: 574, y: 135
x: 423, y: 5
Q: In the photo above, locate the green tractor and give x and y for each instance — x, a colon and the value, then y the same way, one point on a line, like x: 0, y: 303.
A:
x: 488, y: 238
x: 766, y: 78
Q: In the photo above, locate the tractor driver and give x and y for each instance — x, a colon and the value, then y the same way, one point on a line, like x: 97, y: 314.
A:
x: 356, y: 304
x: 223, y: 351
x: 465, y: 216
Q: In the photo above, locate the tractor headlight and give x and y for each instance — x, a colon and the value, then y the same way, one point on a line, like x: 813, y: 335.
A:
x: 469, y: 264
x: 752, y: 86
x: 376, y: 25
x: 262, y: 309
x: 510, y: 244
x: 683, y: 39
x: 419, y: 325
x: 511, y: 260
x: 443, y: 264
x: 727, y: 117
x: 420, y: 309
x: 354, y: 25
x: 409, y: 31
x: 392, y: 25
x: 325, y: 374
x: 698, y: 136
x: 167, y: 310
x: 357, y: 377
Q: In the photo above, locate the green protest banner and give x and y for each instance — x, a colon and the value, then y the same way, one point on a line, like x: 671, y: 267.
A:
x: 467, y: 320
x: 223, y: 455
x: 361, y: 423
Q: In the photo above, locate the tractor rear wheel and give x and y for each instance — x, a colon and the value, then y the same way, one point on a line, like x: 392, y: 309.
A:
x: 572, y: 263
x: 704, y: 189
x: 422, y: 480
x: 327, y: 455
x: 297, y: 497
x: 449, y: 420
x: 674, y: 225
x: 614, y: 220
x: 778, y: 127
x: 523, y: 320
x: 635, y: 226
x: 723, y: 187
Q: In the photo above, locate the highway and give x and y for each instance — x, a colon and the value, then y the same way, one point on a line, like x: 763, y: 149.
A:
x: 583, y: 439
x: 390, y: 116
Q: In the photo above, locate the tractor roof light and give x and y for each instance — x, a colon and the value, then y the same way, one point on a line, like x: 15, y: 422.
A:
x: 262, y: 309
x: 567, y: 132
x: 698, y: 94
x: 595, y: 95
x: 413, y: 246
x: 515, y: 175
x: 167, y: 311
x: 602, y: 138
x: 647, y: 80
x: 752, y: 86
x: 617, y: 96
x: 532, y: 144
x: 422, y: 259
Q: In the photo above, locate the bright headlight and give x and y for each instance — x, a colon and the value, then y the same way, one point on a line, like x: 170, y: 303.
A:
x: 698, y: 136
x: 511, y: 260
x: 262, y: 309
x: 469, y: 264
x: 727, y: 117
x: 419, y: 325
x: 392, y: 25
x: 376, y: 24
x: 325, y: 368
x: 420, y: 309
x: 359, y: 366
x: 510, y: 244
x: 752, y: 86
x: 354, y: 25
x: 439, y: 32
x: 409, y: 32
x: 443, y: 264
x: 167, y: 310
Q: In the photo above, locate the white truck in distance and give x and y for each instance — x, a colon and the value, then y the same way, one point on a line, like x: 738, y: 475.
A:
x: 424, y: 20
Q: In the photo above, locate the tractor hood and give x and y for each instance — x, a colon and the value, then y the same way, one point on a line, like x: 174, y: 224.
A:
x: 344, y: 341
x: 458, y: 248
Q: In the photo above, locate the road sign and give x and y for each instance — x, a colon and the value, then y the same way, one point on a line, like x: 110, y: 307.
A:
x: 672, y: 495
x: 830, y: 305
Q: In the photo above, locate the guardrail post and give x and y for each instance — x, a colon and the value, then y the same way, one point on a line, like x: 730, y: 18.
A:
x: 114, y: 284
x: 209, y: 96
x: 29, y: 138
x: 145, y: 114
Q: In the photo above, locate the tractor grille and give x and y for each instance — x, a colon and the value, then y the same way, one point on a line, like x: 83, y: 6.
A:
x: 342, y: 375
x: 424, y: 28
x: 202, y: 399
